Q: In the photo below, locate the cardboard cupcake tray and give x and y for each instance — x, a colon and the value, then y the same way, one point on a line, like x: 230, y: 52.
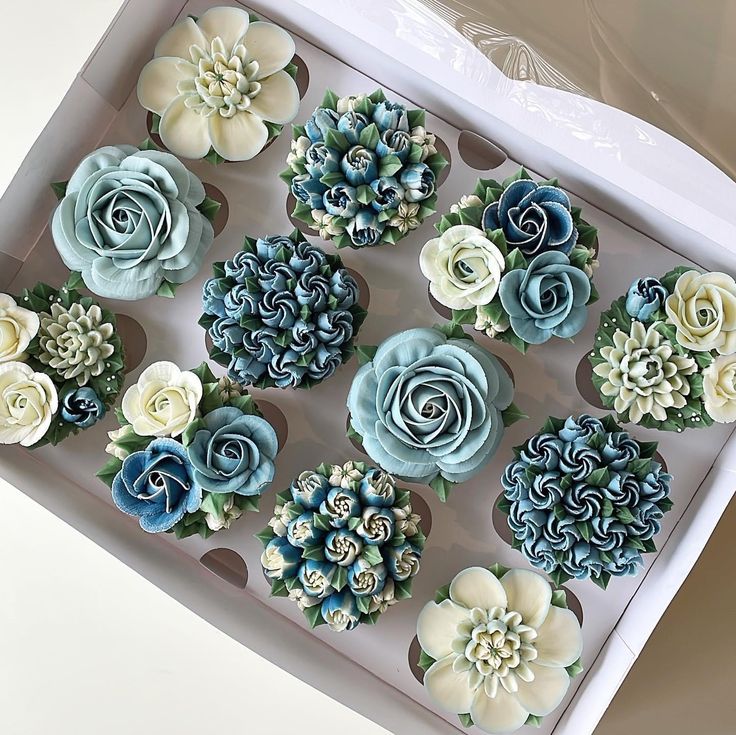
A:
x: 371, y: 669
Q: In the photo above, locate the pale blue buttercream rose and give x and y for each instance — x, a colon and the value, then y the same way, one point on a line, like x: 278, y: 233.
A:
x: 534, y: 218
x: 427, y: 405
x: 158, y: 485
x: 548, y: 298
x: 129, y: 221
x: 233, y: 452
x: 418, y: 181
x: 226, y: 333
x: 645, y: 297
x: 214, y: 291
x: 619, y: 450
x: 580, y: 428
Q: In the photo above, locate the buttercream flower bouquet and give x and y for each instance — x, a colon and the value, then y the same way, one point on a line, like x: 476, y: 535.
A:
x: 192, y: 453
x: 134, y: 222
x: 499, y: 648
x: 664, y: 355
x: 61, y: 364
x: 344, y: 543
x: 515, y: 259
x: 220, y: 87
x: 585, y: 499
x: 281, y: 312
x: 363, y: 170
x: 429, y: 405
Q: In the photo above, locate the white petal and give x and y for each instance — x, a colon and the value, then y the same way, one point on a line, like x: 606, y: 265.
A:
x: 529, y: 594
x: 437, y: 627
x: 230, y: 24
x: 177, y: 40
x: 278, y: 100
x: 238, y: 138
x: 158, y: 80
x: 449, y: 689
x: 183, y: 131
x: 502, y: 714
x: 477, y: 587
x: 163, y: 370
x: 272, y: 47
x: 544, y: 693
x: 559, y: 641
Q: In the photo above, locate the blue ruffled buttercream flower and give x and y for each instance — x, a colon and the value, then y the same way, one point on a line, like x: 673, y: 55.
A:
x: 157, y: 485
x: 351, y: 124
x: 548, y: 298
x: 81, y: 407
x: 129, y: 221
x: 427, y: 405
x: 535, y: 219
x: 391, y: 116
x: 321, y: 121
x: 645, y: 297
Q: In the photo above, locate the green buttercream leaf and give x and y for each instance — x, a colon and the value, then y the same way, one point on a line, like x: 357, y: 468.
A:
x: 148, y: 145
x: 559, y: 598
x: 365, y: 353
x: 443, y: 593
x: 209, y: 208
x: 463, y: 316
x: 534, y: 721
x: 417, y: 118
x: 314, y: 615
x: 369, y: 136
x: 371, y: 554
x: 465, y: 720
x: 340, y: 578
x: 335, y: 139
x: 389, y: 165
x: 109, y: 470
x: 167, y: 289
x: 498, y: 570
x: 265, y: 535
x: 574, y: 669
x: 425, y: 660
x: 192, y: 428
x: 515, y: 260
x: 330, y: 100
x: 442, y: 487
x: 512, y: 414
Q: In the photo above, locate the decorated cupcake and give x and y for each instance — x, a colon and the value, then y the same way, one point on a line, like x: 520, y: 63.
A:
x: 343, y: 543
x: 133, y: 222
x: 221, y: 86
x: 61, y: 364
x: 192, y: 452
x: 281, y: 312
x: 429, y: 406
x: 585, y: 499
x: 664, y: 355
x: 363, y: 170
x: 515, y: 260
x: 499, y: 648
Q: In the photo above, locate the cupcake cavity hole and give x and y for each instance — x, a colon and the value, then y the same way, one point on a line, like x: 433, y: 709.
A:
x: 135, y: 342
x: 584, y: 383
x: 302, y: 75
x: 421, y: 508
x: 356, y: 444
x: 223, y: 212
x: 275, y: 416
x: 301, y: 226
x: 443, y: 148
x: 500, y: 522
x: 413, y: 659
x: 479, y: 153
x: 228, y: 565
x: 440, y: 309
x: 574, y: 604
x: 364, y: 298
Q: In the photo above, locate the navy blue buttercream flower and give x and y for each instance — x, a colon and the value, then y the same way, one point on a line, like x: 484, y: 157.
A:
x: 584, y: 499
x: 281, y: 313
x: 157, y: 485
x: 81, y: 407
x: 534, y: 218
x: 645, y: 297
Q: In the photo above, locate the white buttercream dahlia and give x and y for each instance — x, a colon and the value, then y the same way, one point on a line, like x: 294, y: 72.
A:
x: 217, y: 81
x: 500, y: 648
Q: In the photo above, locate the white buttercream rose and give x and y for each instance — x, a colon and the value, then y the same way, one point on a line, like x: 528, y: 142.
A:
x: 163, y: 401
x: 703, y: 309
x: 463, y: 266
x: 719, y: 389
x: 28, y: 402
x: 18, y: 326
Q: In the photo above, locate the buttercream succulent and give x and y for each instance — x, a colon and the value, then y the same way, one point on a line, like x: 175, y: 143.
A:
x: 221, y: 86
x: 585, y: 499
x: 216, y: 450
x: 430, y: 408
x: 281, y: 313
x: 133, y: 222
x: 499, y: 648
x: 62, y: 340
x: 363, y: 170
x: 515, y: 260
x: 662, y: 352
x: 343, y: 543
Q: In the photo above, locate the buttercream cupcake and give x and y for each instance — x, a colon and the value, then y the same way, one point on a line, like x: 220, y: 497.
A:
x: 499, y: 648
x: 516, y: 260
x: 430, y: 406
x: 192, y: 453
x: 344, y: 543
x: 61, y: 364
x: 585, y: 499
x: 664, y: 355
x: 281, y: 312
x: 220, y: 87
x: 363, y: 170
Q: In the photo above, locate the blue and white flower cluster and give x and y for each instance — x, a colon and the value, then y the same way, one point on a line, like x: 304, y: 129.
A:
x: 585, y: 499
x: 344, y: 543
x: 363, y: 170
x: 281, y: 312
x: 192, y: 453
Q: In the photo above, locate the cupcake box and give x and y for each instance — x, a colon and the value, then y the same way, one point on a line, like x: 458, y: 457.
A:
x: 416, y: 59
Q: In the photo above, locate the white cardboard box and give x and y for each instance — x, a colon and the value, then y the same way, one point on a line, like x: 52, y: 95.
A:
x: 666, y: 193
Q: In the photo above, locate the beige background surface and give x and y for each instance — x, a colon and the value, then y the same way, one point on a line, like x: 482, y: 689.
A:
x: 88, y: 647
